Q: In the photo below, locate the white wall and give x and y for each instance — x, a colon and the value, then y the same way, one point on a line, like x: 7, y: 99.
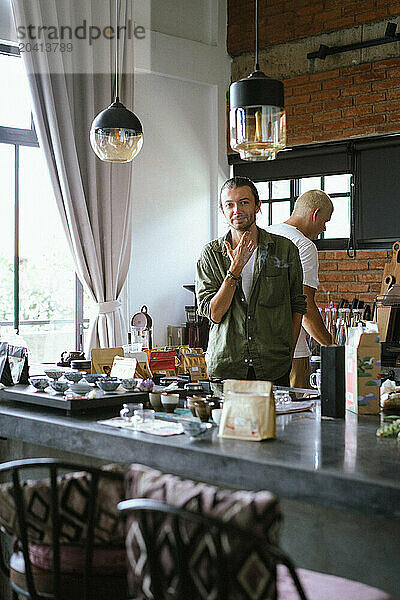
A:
x: 181, y: 101
x: 7, y: 27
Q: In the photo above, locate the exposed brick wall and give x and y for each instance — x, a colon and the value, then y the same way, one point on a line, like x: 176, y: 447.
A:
x: 343, y: 103
x: 286, y: 20
x: 339, y: 103
x: 344, y: 277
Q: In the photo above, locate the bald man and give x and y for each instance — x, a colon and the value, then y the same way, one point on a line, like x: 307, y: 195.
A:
x: 311, y: 212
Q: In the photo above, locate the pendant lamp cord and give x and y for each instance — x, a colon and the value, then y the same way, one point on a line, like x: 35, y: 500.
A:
x: 257, y: 66
x: 116, y: 52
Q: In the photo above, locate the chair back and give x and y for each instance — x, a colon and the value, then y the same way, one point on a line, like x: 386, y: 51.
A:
x: 48, y: 501
x: 175, y: 554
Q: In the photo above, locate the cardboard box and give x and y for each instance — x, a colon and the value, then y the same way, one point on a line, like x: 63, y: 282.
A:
x: 363, y: 366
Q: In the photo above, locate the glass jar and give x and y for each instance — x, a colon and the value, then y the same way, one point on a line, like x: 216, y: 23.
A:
x: 128, y: 410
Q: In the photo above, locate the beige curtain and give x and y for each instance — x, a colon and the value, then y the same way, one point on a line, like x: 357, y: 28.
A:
x: 69, y: 88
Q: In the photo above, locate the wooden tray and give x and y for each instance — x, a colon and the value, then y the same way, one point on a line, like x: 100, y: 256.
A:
x: 28, y: 395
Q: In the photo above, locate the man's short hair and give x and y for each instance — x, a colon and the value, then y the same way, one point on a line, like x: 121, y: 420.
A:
x: 238, y: 182
x: 310, y: 201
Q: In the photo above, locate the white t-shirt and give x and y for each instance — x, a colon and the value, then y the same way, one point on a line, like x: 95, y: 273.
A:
x: 309, y: 262
x: 247, y: 275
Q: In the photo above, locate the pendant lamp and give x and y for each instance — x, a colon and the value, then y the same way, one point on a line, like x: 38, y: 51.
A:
x: 116, y: 134
x: 257, y: 118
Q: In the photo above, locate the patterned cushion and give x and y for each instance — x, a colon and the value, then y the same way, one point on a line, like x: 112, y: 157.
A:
x: 73, y: 504
x: 251, y: 573
x: 106, y: 560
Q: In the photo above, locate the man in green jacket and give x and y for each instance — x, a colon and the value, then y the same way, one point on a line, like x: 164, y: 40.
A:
x: 249, y: 283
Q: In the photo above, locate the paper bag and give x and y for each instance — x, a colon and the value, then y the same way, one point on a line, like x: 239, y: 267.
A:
x: 124, y: 368
x: 183, y: 362
x: 249, y: 410
x: 103, y: 358
x: 193, y: 362
x: 142, y: 370
x: 13, y: 364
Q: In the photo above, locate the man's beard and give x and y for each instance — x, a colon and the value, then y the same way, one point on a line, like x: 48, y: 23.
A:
x: 245, y: 224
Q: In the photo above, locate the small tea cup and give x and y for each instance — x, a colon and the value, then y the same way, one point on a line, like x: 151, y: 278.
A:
x: 216, y: 415
x: 203, y: 408
x: 155, y: 400
x: 202, y: 411
x: 40, y: 383
x: 108, y: 384
x: 128, y: 384
x: 92, y: 377
x: 74, y: 376
x: 315, y: 380
x: 195, y: 430
x: 169, y: 402
x: 54, y: 373
x: 59, y: 386
x: 191, y: 403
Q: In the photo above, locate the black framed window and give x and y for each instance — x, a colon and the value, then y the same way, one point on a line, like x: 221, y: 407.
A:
x: 360, y: 175
x: 278, y: 198
x: 40, y: 295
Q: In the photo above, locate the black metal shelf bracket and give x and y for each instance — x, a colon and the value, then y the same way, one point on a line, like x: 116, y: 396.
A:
x: 389, y: 37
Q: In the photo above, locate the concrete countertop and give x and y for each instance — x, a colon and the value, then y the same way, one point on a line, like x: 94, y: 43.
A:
x: 334, y: 463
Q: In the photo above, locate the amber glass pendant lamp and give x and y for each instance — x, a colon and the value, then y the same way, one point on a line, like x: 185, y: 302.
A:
x: 257, y: 118
x: 116, y: 134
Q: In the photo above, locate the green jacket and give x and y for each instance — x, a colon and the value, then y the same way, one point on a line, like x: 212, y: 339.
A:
x: 259, y: 333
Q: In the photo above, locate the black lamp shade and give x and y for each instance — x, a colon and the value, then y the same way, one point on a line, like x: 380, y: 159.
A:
x: 256, y: 90
x: 116, y: 116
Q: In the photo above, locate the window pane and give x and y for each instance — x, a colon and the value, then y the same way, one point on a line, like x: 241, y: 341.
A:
x: 47, y: 277
x: 7, y: 233
x: 310, y: 183
x: 46, y: 342
x: 280, y: 211
x: 263, y: 191
x: 281, y: 189
x: 339, y: 225
x: 17, y: 112
x: 262, y: 215
x: 337, y: 184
